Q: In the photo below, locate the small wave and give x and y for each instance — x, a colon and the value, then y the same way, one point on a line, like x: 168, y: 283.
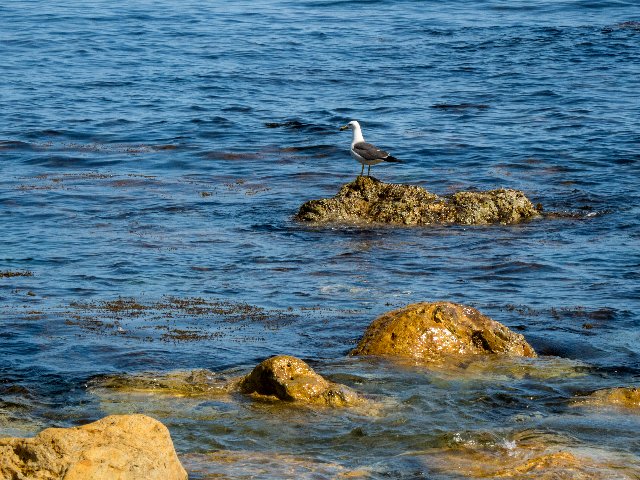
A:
x: 14, y: 145
x: 583, y: 213
x: 310, y: 148
x: 108, y: 84
x: 217, y: 120
x: 608, y: 314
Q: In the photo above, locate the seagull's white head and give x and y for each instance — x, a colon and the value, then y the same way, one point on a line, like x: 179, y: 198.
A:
x: 357, y: 132
x: 353, y: 125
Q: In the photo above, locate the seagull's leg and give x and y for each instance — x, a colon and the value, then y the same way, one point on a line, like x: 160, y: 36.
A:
x: 368, y: 171
x: 362, y: 172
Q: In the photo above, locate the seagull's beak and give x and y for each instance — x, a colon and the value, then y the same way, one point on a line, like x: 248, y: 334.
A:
x: 344, y: 128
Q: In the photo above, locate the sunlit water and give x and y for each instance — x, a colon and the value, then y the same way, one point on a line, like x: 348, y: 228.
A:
x: 159, y: 151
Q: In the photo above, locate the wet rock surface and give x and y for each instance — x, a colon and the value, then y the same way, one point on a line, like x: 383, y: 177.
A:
x: 194, y: 383
x: 436, y: 332
x: 623, y: 397
x: 529, y: 455
x: 125, y: 447
x: 280, y: 378
x: 290, y: 379
x: 368, y: 200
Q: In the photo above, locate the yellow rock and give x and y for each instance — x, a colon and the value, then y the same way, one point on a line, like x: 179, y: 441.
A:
x: 118, y: 447
x: 431, y: 332
x: 290, y: 379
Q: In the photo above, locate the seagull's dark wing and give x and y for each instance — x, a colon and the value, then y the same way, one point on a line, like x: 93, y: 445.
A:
x: 371, y: 152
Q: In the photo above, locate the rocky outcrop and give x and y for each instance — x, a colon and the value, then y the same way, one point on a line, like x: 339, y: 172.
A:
x: 431, y: 332
x: 624, y: 397
x: 292, y: 380
x: 368, y: 200
x: 123, y: 447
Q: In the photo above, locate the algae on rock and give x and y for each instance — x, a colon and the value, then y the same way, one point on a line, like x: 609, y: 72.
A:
x: 368, y: 200
x: 622, y: 397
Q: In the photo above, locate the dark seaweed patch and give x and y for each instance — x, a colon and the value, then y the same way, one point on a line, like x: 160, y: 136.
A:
x: 604, y: 314
x: 10, y: 274
x: 173, y: 318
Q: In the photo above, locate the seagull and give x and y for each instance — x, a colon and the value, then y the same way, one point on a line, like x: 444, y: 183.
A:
x: 364, y: 152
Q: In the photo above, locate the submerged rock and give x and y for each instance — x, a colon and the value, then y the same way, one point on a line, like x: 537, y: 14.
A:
x: 242, y: 464
x: 368, y: 200
x: 546, y: 466
x: 529, y: 454
x: 194, y: 383
x: 625, y: 397
x: 432, y: 332
x: 292, y: 380
x: 125, y: 447
x: 281, y: 377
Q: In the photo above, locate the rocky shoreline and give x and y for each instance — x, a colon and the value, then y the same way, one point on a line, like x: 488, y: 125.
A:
x: 441, y: 336
x: 429, y: 334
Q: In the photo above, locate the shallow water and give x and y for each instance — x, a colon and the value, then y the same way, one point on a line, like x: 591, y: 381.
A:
x: 157, y: 152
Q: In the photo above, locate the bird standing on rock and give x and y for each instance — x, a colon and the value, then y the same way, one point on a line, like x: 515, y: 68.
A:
x: 364, y: 152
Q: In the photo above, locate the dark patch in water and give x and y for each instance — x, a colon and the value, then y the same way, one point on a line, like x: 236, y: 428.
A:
x: 292, y: 124
x: 460, y: 106
x: 14, y: 145
x: 297, y: 125
x: 629, y: 25
x: 232, y: 155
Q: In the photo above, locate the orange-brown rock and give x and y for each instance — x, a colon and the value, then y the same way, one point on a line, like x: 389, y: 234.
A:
x: 431, y: 332
x: 118, y: 447
x: 290, y: 379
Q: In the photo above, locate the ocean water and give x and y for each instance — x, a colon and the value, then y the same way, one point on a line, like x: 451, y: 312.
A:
x: 153, y: 154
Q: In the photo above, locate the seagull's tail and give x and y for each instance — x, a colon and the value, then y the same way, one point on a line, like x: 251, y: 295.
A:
x: 392, y: 159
